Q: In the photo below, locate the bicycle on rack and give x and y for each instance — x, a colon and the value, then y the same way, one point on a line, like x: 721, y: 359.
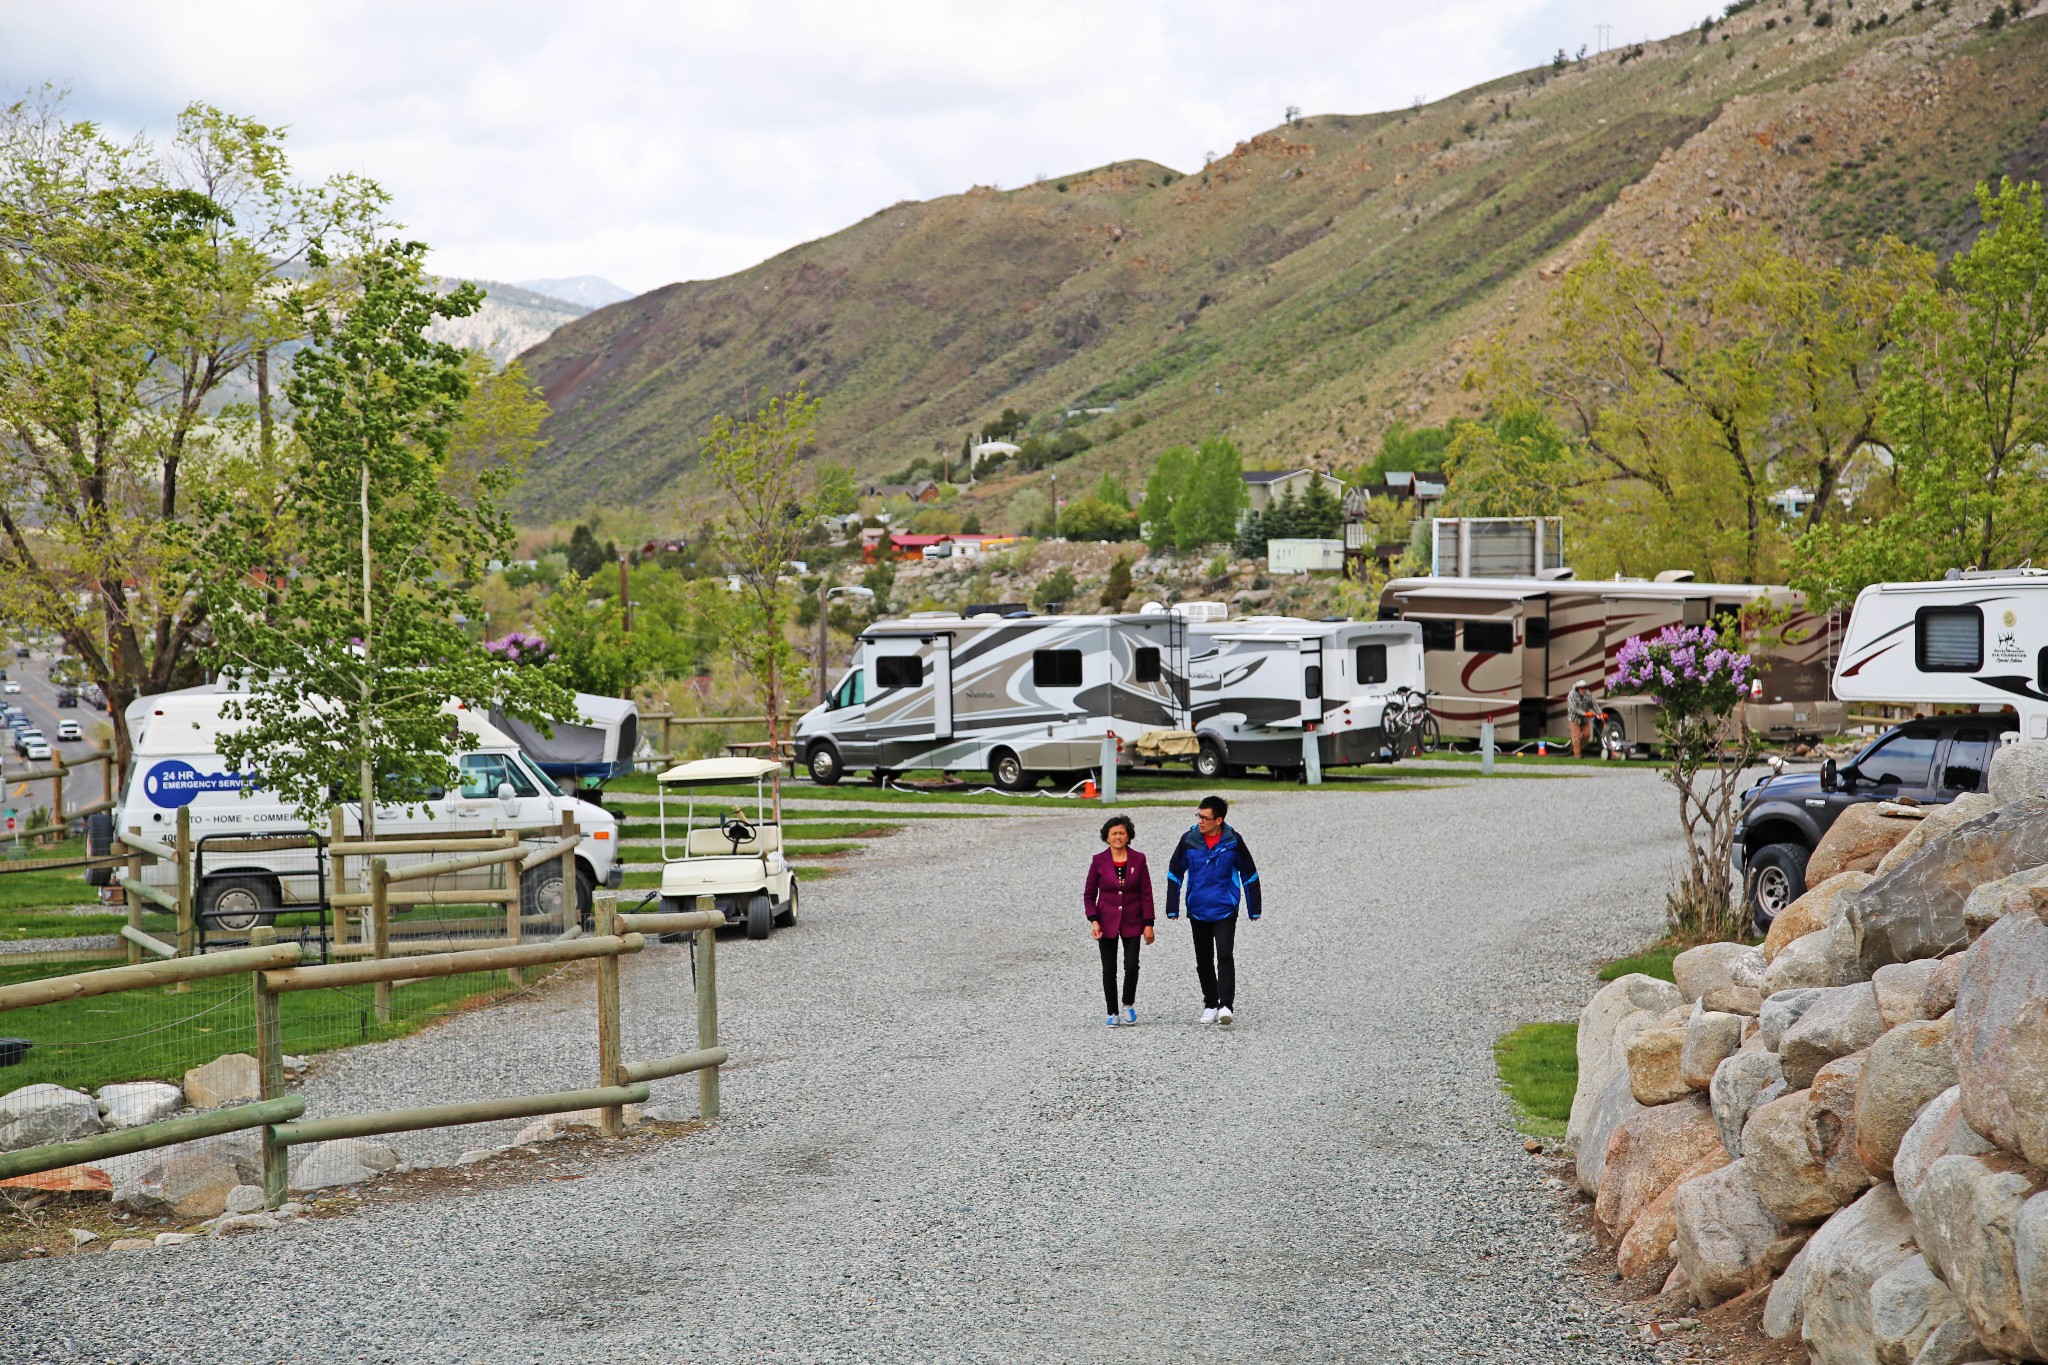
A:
x: 1409, y: 726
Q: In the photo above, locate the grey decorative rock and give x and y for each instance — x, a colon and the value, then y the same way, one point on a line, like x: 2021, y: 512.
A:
x: 1789, y: 1177
x: 1710, y: 1039
x: 1938, y: 821
x: 1990, y: 902
x: 1602, y: 1039
x: 1952, y: 1342
x: 227, y: 1080
x: 2030, y: 1257
x: 1748, y: 970
x: 188, y: 1181
x: 1858, y: 840
x: 2001, y: 1029
x: 1723, y: 1233
x: 1908, y: 1303
x: 1902, y: 988
x: 1966, y: 1216
x: 1850, y: 1254
x: 1805, y: 962
x: 1940, y: 995
x: 1743, y: 1000
x: 1780, y: 1012
x: 1904, y: 1071
x: 1916, y: 909
x: 1702, y: 969
x: 135, y: 1103
x: 1614, y: 1106
x: 1653, y: 1066
x: 348, y: 1161
x: 245, y: 1222
x: 1940, y: 1130
x: 39, y: 1114
x: 1785, y: 1307
x: 245, y: 1199
x: 1831, y: 1126
x: 1844, y: 1019
x: 2019, y: 772
x: 1740, y: 1084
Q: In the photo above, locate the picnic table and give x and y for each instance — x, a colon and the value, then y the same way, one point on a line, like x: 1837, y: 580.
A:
x: 758, y: 748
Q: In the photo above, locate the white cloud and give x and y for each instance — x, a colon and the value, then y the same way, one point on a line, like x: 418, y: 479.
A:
x: 650, y: 143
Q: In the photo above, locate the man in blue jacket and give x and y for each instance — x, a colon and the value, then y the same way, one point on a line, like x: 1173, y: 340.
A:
x: 1213, y: 865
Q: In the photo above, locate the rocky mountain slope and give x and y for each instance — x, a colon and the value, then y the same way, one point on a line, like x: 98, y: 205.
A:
x: 511, y: 320
x: 1322, y: 279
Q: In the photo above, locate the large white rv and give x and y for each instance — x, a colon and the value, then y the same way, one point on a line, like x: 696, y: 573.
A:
x: 1256, y: 685
x: 1979, y: 638
x: 1507, y: 650
x: 1016, y: 696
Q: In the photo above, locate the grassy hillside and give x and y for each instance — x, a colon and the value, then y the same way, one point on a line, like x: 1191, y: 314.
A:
x: 1313, y: 285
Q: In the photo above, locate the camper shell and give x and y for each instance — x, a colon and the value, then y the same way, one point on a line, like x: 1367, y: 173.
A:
x: 178, y: 765
x: 1258, y: 684
x: 1017, y: 697
x: 1978, y: 639
x: 1508, y: 650
x: 586, y: 753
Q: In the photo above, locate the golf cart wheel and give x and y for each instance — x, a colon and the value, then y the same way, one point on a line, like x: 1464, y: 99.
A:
x: 1007, y: 771
x: 826, y: 770
x: 238, y: 903
x: 1776, y: 877
x: 760, y: 915
x: 788, y: 915
x: 1209, y: 763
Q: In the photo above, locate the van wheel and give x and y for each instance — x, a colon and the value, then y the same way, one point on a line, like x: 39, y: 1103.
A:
x: 825, y: 767
x: 238, y: 903
x: 1209, y: 762
x: 1007, y: 770
x: 540, y: 894
x: 760, y: 915
x: 788, y: 915
x: 1775, y: 877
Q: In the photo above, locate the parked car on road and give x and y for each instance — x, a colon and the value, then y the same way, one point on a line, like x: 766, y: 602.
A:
x: 1782, y: 818
x: 68, y: 729
x: 36, y: 749
x: 24, y: 738
x: 10, y: 686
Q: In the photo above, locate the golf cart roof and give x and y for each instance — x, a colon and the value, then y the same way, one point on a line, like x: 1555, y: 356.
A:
x: 705, y: 772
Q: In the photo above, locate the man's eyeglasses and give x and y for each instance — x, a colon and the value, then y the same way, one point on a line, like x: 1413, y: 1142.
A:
x: 1203, y: 817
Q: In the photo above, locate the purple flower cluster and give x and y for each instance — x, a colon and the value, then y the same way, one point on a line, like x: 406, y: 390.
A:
x: 520, y: 647
x: 1683, y: 666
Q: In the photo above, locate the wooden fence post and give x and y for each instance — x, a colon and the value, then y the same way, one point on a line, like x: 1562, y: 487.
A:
x: 269, y: 1072
x: 572, y: 904
x: 57, y: 820
x: 187, y: 926
x: 707, y: 1011
x: 337, y: 872
x: 134, y: 904
x: 380, y: 930
x: 612, y: 1119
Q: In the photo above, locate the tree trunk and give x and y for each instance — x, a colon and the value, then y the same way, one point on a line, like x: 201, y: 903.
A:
x: 367, y: 730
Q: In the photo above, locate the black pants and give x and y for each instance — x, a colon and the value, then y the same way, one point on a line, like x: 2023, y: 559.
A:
x: 1216, y: 960
x: 1108, y: 947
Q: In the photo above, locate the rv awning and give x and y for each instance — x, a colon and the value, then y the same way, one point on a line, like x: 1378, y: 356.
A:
x: 1462, y: 606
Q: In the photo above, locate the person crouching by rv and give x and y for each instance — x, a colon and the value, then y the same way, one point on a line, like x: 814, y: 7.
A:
x: 1214, y: 866
x: 1118, y: 901
x: 1578, y: 714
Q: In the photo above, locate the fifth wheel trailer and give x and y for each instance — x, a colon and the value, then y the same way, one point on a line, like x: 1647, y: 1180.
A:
x: 1507, y: 650
x: 1979, y: 638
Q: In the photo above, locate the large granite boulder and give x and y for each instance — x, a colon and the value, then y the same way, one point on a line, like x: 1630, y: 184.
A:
x: 135, y: 1103
x: 1902, y: 990
x: 1831, y: 1125
x: 1909, y: 1306
x: 1851, y: 1253
x: 1844, y: 1019
x: 191, y: 1180
x: 2001, y: 1031
x: 1632, y: 997
x: 1648, y: 1244
x: 2019, y: 772
x: 1704, y: 968
x: 1710, y: 1038
x: 37, y: 1115
x: 1939, y: 997
x: 1813, y: 911
x: 1780, y: 1012
x: 1857, y: 842
x: 225, y: 1080
x: 1939, y: 1131
x: 1808, y: 961
x: 1740, y: 1084
x: 1938, y: 821
x: 1966, y: 1217
x: 1610, y: 1109
x: 1722, y: 1233
x: 1796, y: 1182
x: 1902, y: 1073
x: 2030, y: 1246
x: 1786, y: 1306
x: 345, y: 1161
x: 1994, y: 900
x: 1654, y: 1057
x: 1647, y: 1155
x: 1915, y: 910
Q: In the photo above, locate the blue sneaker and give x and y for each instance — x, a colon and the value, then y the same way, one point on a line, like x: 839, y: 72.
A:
x: 1130, y: 1014
x: 1111, y: 1021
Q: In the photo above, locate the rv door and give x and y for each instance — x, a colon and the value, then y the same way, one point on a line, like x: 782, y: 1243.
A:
x: 941, y: 679
x: 1311, y: 682
x: 900, y: 691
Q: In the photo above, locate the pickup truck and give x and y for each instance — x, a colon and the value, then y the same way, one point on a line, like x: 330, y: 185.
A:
x: 1782, y: 818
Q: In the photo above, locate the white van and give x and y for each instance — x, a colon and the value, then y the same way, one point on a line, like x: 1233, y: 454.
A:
x: 178, y: 766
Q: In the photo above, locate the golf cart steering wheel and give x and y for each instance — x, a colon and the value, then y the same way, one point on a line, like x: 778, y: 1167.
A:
x: 736, y: 829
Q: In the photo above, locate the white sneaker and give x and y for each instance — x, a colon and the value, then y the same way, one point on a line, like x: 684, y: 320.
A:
x: 1208, y: 1016
x: 1224, y: 1016
x: 1111, y: 1021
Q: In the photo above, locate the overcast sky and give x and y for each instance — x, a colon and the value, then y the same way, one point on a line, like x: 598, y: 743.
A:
x: 655, y: 142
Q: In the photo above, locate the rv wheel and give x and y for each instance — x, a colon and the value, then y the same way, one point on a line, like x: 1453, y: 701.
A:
x: 1209, y: 760
x: 1008, y: 772
x: 238, y: 903
x: 760, y: 915
x: 825, y: 767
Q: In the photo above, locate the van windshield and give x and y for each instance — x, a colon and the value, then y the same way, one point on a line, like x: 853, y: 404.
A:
x: 483, y: 774
x: 547, y: 783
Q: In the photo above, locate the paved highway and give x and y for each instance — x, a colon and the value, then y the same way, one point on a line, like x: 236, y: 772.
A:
x: 38, y: 697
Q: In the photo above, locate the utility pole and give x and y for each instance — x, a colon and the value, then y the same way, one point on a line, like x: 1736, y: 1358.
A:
x: 625, y: 596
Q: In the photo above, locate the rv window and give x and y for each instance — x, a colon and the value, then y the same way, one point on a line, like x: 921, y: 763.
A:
x: 1439, y: 635
x: 1489, y: 637
x: 483, y: 774
x: 1969, y: 754
x: 1904, y: 760
x: 1372, y: 664
x: 898, y: 670
x: 1145, y: 666
x: 1056, y: 667
x: 1312, y: 682
x: 1948, y: 639
x: 1536, y: 632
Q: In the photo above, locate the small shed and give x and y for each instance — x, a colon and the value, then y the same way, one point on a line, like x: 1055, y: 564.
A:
x: 1304, y: 556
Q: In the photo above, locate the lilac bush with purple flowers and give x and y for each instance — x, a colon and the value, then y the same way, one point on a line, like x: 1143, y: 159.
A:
x: 1698, y: 678
x: 520, y: 647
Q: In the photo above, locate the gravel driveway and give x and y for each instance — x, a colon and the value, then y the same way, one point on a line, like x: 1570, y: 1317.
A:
x: 934, y: 1150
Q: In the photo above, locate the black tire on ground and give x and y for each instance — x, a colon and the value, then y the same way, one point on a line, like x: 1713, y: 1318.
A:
x: 1774, y: 878
x: 1006, y: 770
x: 1285, y: 772
x: 238, y: 903
x: 760, y: 915
x: 825, y: 767
x: 540, y: 893
x: 788, y: 915
x: 1209, y: 761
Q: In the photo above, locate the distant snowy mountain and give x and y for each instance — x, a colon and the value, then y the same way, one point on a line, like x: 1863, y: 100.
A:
x: 512, y: 319
x: 588, y: 290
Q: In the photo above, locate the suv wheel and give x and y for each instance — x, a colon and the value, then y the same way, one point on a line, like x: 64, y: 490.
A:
x: 1776, y: 877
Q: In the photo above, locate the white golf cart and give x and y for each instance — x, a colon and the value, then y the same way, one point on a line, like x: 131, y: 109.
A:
x: 736, y: 861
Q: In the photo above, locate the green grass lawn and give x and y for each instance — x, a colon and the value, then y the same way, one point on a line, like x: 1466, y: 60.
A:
x: 1653, y: 961
x: 1539, y: 1068
x: 160, y: 1033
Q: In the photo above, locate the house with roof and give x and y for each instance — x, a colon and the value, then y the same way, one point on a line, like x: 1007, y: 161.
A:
x: 1266, y: 486
x: 877, y: 543
x: 924, y: 490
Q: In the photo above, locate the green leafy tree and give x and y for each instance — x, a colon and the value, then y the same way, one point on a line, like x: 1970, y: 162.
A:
x: 835, y: 494
x: 1163, y: 489
x: 1117, y: 590
x: 1091, y: 518
x: 1056, y: 587
x: 587, y: 557
x: 339, y: 629
x: 499, y: 429
x: 1208, y: 507
x: 589, y: 647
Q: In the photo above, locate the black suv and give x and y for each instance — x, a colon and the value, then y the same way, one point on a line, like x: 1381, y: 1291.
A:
x: 1783, y: 817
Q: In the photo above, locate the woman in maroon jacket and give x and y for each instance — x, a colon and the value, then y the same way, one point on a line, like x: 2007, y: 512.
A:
x: 1118, y: 902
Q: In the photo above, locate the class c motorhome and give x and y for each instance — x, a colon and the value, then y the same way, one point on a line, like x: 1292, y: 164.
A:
x: 1256, y: 685
x: 1978, y: 638
x: 1019, y: 697
x: 1507, y: 650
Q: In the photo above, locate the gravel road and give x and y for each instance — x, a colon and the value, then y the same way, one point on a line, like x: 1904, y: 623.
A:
x: 934, y: 1150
